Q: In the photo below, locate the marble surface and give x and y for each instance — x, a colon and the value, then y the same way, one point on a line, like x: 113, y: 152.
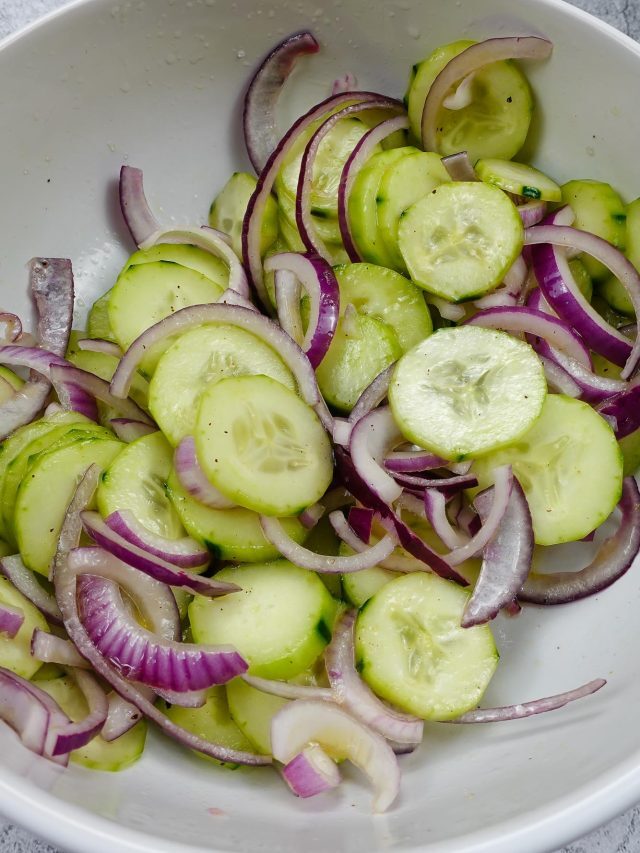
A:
x: 621, y: 835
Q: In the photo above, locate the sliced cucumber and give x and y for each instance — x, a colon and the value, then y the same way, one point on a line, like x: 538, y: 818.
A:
x: 280, y: 622
x: 460, y: 241
x: 213, y: 723
x: 496, y: 122
x: 570, y: 467
x: 98, y: 325
x: 196, y: 361
x: 229, y: 534
x: 599, y: 209
x: 262, y: 446
x: 230, y: 205
x: 191, y: 257
x: 252, y: 711
x: 582, y: 278
x: 323, y: 540
x: 404, y: 183
x: 98, y: 754
x: 517, y: 178
x: 325, y: 225
x: 362, y: 347
x: 137, y: 480
x: 412, y: 652
x: 38, y: 518
x: 466, y: 391
x: 363, y: 208
x: 147, y: 293
x: 615, y: 294
x: 15, y: 653
x: 359, y: 587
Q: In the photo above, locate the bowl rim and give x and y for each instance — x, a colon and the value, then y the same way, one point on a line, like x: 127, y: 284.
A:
x: 572, y: 816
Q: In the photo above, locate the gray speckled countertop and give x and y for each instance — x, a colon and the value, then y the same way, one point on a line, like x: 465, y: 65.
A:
x: 621, y: 835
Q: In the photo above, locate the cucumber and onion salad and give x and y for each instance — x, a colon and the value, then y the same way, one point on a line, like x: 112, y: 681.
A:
x: 303, y: 455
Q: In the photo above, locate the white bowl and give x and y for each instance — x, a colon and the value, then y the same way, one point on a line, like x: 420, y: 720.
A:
x: 157, y: 83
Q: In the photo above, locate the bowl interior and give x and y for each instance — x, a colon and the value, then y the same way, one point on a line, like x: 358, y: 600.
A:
x: 157, y: 84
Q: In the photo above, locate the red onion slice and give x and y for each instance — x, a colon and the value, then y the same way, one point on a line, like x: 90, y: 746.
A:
x: 100, y: 345
x: 76, y: 735
x: 551, y: 269
x: 356, y: 697
x: 22, y: 708
x: 71, y: 383
x: 460, y: 167
x: 288, y: 291
x: 532, y: 212
x: 304, y: 721
x: 372, y: 395
x: 276, y: 534
x: 308, y: 233
x: 129, y: 430
x: 622, y: 411
x: 468, y: 61
x: 259, y: 115
x: 26, y: 583
x: 449, y: 485
x: 319, y: 281
x: 463, y: 95
x: 134, y: 205
x: 184, y: 699
x: 413, y: 461
x: 611, y: 562
x: 311, y: 772
x: 10, y: 327
x: 356, y: 160
x: 11, y: 620
x: 558, y: 379
x: 372, y: 437
x: 156, y: 567
x: 361, y: 522
x: 506, y: 559
x: 185, y: 553
x: 435, y: 510
x: 51, y: 649
x: 193, y: 479
x: 286, y: 690
x: 122, y: 716
x: 140, y: 655
x: 310, y: 516
x: 528, y: 709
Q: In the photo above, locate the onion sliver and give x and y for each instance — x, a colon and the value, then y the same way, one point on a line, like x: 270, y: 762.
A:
x: 24, y: 708
x: 613, y: 559
x: 11, y: 620
x: 25, y: 582
x: 75, y: 735
x: 193, y: 479
x: 288, y: 691
x: 260, y: 101
x: 134, y: 205
x: 129, y: 430
x: 460, y: 167
x: 311, y: 772
x: 71, y: 382
x: 468, y: 61
x: 372, y: 437
x: 305, y: 721
x: 52, y: 649
x: 185, y: 552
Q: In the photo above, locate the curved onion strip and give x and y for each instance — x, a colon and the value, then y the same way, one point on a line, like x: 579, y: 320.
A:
x: 11, y: 620
x: 304, y: 221
x: 122, y: 716
x: 501, y: 491
x: 184, y: 698
x: 211, y: 241
x: 548, y: 261
x: 185, y: 552
x: 155, y: 567
x: 531, y: 321
x: 449, y: 485
x: 100, y: 345
x: 23, y: 706
x: 372, y: 437
x: 372, y: 395
x: 288, y: 290
x: 528, y: 709
x: 468, y: 61
x: 558, y: 379
x: 356, y: 160
x: 12, y: 326
x: 435, y: 510
x: 305, y: 721
x: 356, y: 697
x: 140, y: 655
x: 25, y: 582
x: 288, y: 691
x: 463, y: 95
x: 361, y: 522
x: 193, y: 479
x: 498, y: 299
x: 259, y: 114
x: 129, y: 430
x: 67, y: 379
x: 311, y: 772
x: 613, y: 559
x: 532, y: 212
x: 506, y: 559
x: 75, y: 735
x: 134, y: 205
x: 622, y: 411
x: 447, y: 310
x: 252, y: 224
x: 276, y: 534
x: 413, y: 461
x: 459, y: 167
x: 319, y: 282
x: 51, y: 649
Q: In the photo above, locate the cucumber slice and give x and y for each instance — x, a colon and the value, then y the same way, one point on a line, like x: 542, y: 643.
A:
x: 147, y: 293
x: 461, y: 240
x: 612, y: 290
x: 196, y: 361
x: 137, y: 480
x: 599, y: 209
x: 323, y: 540
x: 192, y: 257
x: 326, y: 226
x: 363, y: 208
x: 387, y: 296
x: 213, y: 723
x: 98, y: 325
x: 15, y: 653
x: 518, y: 179
x: 362, y: 347
x: 403, y: 184
x: 230, y: 205
x: 12, y: 379
x: 229, y: 534
x: 290, y: 609
x: 412, y: 652
x: 496, y: 122
x: 252, y: 711
x: 582, y: 278
x: 630, y: 449
x: 38, y: 518
x: 262, y: 446
x: 98, y: 754
x: 359, y: 587
x: 568, y: 498
x: 466, y: 391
